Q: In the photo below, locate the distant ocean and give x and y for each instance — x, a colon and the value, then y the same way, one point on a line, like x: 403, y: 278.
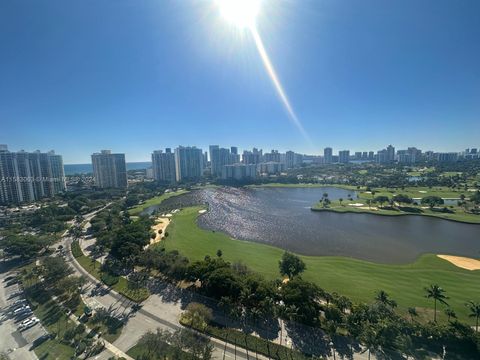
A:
x: 72, y: 169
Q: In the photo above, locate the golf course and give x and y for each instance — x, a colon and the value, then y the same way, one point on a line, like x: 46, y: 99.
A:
x: 357, y: 279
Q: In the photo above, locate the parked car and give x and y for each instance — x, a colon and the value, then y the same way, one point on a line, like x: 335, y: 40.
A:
x: 29, y: 324
x: 21, y: 309
x: 15, y: 294
x: 8, y: 278
x: 24, y: 322
x: 19, y: 302
x: 23, y: 316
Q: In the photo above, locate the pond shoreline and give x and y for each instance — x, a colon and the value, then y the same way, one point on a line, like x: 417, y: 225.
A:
x: 372, y: 212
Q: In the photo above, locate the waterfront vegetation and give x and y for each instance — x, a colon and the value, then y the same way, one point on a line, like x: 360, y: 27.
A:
x: 156, y: 200
x: 409, y: 201
x: 405, y: 283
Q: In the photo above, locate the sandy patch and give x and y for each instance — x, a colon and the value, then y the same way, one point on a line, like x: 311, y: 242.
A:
x: 422, y: 191
x: 462, y: 262
x: 203, y: 211
x: 161, y: 223
x: 356, y: 204
x: 368, y: 208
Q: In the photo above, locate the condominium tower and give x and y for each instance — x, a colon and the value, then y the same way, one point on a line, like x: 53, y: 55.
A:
x: 164, y: 166
x: 26, y: 177
x: 188, y: 163
x: 110, y: 170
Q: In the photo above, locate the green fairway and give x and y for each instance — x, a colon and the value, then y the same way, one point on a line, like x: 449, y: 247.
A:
x: 136, y: 210
x: 458, y: 213
x: 356, y: 279
x: 303, y: 185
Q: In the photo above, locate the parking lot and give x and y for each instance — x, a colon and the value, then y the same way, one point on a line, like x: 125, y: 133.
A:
x: 18, y: 326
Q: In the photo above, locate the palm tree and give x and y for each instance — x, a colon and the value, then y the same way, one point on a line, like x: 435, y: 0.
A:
x: 281, y: 313
x: 436, y: 293
x: 370, y: 339
x: 383, y: 298
x: 341, y: 201
x: 412, y: 312
x: 474, y: 308
x: 450, y: 313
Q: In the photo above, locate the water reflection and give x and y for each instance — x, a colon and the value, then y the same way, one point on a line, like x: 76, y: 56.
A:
x: 282, y: 217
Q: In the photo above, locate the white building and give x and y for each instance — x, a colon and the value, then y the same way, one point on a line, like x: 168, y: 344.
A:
x: 109, y: 170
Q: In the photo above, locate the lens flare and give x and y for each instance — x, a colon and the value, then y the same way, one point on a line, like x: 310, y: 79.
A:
x: 243, y: 14
x: 277, y: 84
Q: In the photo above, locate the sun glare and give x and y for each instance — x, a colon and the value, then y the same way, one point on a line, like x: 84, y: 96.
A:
x: 241, y: 13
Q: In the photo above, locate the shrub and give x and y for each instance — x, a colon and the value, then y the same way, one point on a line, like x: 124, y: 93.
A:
x: 108, y: 279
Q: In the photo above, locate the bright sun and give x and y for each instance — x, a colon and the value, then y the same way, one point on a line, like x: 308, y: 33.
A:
x: 241, y: 13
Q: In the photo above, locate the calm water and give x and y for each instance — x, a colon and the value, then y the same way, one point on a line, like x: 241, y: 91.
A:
x: 282, y: 217
x: 72, y: 169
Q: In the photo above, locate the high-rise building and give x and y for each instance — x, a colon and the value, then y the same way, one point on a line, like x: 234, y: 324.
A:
x: 188, y: 163
x: 219, y: 157
x: 26, y: 177
x: 358, y: 155
x: 390, y: 153
x: 164, y: 166
x: 446, y: 157
x: 252, y: 157
x: 344, y: 156
x: 271, y: 168
x: 239, y: 172
x: 109, y: 170
x: 327, y: 155
x: 293, y: 159
x: 386, y: 155
x: 273, y: 156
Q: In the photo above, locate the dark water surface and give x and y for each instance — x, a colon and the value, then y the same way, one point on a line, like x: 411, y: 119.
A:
x: 282, y: 217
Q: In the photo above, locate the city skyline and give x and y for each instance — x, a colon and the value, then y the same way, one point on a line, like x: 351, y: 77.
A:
x: 320, y: 153
x: 158, y: 74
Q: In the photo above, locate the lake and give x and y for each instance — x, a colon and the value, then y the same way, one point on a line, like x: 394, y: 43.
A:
x: 282, y: 217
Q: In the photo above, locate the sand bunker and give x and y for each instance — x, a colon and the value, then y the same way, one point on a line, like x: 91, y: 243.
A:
x: 462, y: 262
x: 160, y: 224
x: 356, y: 204
x: 203, y: 211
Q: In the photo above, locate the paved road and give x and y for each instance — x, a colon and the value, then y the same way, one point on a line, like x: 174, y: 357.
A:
x: 159, y: 311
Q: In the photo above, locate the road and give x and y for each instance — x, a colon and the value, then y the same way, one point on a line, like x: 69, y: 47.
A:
x: 160, y: 311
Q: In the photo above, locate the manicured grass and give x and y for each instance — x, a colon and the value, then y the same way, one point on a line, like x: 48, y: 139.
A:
x: 54, y: 350
x: 94, y: 268
x: 417, y: 192
x: 303, y: 185
x: 136, y: 210
x: 458, y: 213
x: 356, y: 279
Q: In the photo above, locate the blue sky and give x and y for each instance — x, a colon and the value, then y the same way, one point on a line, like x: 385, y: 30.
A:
x: 134, y: 76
